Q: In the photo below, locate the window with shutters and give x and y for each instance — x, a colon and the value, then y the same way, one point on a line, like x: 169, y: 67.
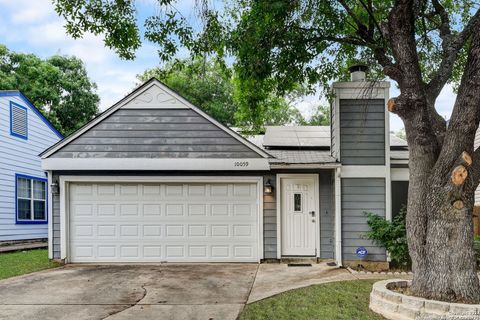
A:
x: 18, y: 121
x: 31, y: 197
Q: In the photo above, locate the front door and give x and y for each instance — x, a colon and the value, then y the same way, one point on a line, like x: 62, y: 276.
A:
x: 298, y: 216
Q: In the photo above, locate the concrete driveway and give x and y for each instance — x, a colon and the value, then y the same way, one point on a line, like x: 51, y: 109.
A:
x: 170, y: 291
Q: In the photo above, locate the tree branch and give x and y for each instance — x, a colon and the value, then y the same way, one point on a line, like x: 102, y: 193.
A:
x: 372, y: 18
x: 465, y: 116
x: 451, y: 48
x: 352, y: 14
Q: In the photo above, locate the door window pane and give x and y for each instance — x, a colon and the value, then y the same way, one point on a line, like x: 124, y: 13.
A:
x: 24, y: 212
x: 297, y: 202
x: 39, y: 210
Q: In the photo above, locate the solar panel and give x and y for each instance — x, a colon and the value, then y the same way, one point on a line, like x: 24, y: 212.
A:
x: 297, y: 136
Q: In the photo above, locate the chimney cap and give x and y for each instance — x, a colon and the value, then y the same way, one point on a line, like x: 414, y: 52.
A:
x: 358, y: 67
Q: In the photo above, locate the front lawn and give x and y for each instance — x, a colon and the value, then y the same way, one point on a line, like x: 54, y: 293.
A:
x: 337, y: 300
x: 20, y: 262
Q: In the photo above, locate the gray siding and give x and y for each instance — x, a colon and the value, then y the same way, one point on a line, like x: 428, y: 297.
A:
x: 155, y: 133
x: 270, y: 220
x: 327, y: 214
x: 360, y: 195
x: 362, y: 132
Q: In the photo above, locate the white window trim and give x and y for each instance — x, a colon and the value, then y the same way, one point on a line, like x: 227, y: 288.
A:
x: 32, y: 199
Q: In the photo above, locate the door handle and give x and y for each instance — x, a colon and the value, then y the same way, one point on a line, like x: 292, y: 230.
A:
x: 312, y: 213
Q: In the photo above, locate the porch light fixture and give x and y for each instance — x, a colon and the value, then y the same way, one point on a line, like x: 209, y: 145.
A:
x: 54, y: 188
x: 268, y: 188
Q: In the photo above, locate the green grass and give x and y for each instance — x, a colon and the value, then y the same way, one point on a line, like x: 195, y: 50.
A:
x: 332, y: 301
x: 21, y: 262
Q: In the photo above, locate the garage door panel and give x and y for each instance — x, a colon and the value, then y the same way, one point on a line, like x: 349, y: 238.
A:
x: 172, y: 252
x: 163, y: 222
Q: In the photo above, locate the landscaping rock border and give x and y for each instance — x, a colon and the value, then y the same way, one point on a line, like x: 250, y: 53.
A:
x: 381, y: 273
x: 396, y: 306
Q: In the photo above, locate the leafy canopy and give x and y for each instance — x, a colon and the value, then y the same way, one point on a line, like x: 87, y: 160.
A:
x: 58, y: 86
x: 276, y: 44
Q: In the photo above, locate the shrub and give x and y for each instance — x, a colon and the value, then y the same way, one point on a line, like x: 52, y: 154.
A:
x: 476, y: 246
x: 392, y: 235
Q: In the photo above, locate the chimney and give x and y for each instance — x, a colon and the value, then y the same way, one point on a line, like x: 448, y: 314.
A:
x: 358, y: 72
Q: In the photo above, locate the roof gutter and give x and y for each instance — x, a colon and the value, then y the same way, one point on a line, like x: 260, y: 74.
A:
x: 305, y: 165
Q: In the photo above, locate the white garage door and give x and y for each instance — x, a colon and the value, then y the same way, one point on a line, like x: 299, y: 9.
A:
x: 148, y: 222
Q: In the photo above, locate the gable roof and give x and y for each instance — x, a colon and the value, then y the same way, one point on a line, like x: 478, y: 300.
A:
x: 152, y: 95
x: 17, y: 93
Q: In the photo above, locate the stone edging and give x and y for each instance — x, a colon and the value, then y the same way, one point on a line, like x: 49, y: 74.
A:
x: 396, y: 306
x: 388, y: 273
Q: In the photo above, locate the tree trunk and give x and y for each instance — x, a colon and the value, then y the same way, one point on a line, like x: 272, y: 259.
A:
x: 445, y: 267
x: 443, y: 176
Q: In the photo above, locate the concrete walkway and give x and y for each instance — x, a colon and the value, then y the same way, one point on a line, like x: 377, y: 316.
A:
x: 166, y: 291
x: 273, y: 279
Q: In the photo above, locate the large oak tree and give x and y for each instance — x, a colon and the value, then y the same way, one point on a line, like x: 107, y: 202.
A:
x: 422, y: 45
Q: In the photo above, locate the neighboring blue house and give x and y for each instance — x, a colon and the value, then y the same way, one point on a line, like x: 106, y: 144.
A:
x: 24, y: 133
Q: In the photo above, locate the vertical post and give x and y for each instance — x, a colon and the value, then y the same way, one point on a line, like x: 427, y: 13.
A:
x: 388, y: 168
x: 338, y: 218
x: 50, y: 214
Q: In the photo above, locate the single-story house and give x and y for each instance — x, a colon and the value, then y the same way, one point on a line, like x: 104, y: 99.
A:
x: 24, y: 133
x: 155, y: 179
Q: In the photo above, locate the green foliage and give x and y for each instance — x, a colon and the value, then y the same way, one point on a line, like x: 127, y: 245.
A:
x: 276, y: 44
x: 58, y: 86
x: 321, y: 117
x: 333, y: 301
x: 401, y: 134
x: 390, y: 235
x: 21, y: 262
x: 207, y: 84
x: 115, y: 20
x: 212, y: 86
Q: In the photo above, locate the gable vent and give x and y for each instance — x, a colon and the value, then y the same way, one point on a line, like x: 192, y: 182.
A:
x: 18, y: 121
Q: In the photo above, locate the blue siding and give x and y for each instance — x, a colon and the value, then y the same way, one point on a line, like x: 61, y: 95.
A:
x: 19, y: 156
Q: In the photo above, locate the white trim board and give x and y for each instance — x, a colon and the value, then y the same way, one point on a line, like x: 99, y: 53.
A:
x: 184, y: 104
x: 64, y: 197
x: 400, y: 174
x: 364, y: 172
x: 260, y: 164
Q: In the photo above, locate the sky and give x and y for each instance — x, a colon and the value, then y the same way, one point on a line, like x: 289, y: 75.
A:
x: 32, y: 26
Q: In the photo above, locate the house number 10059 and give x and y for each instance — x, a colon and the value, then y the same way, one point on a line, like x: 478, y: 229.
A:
x: 241, y: 164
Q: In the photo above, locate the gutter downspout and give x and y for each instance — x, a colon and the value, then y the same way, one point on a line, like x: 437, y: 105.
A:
x: 338, y: 218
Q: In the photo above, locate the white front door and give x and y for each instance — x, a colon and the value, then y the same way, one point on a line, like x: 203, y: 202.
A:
x: 298, y: 216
